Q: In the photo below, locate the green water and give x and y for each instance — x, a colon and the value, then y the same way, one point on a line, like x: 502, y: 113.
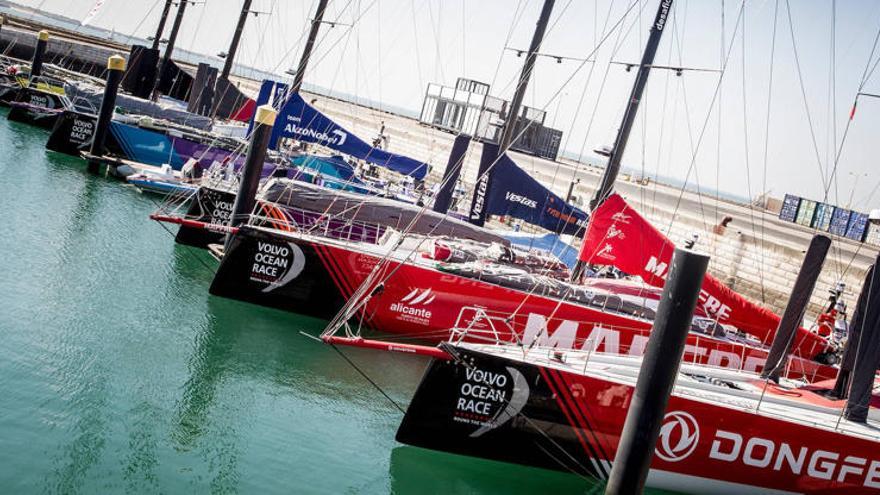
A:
x: 120, y: 374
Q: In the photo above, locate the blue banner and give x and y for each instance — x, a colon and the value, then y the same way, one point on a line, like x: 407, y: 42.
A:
x: 269, y: 88
x: 514, y: 193
x: 301, y: 121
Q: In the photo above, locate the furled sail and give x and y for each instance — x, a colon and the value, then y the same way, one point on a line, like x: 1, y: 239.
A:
x: 301, y: 121
x: 618, y: 236
x: 514, y: 193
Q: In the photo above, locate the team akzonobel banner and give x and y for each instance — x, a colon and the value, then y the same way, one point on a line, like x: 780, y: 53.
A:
x: 299, y: 120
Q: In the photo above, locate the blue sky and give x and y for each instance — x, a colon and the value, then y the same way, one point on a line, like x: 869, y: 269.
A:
x: 396, y: 47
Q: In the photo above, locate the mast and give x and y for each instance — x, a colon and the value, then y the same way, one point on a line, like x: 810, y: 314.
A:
x: 236, y: 38
x: 629, y: 117
x: 310, y: 44
x: 509, y: 128
x: 477, y: 215
x: 169, y: 48
x: 161, y: 28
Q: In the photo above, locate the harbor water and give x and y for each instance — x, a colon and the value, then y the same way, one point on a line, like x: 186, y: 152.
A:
x: 120, y: 374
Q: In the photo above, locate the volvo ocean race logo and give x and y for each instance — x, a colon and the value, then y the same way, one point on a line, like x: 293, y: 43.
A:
x: 678, y: 437
x: 277, y: 264
x: 489, y: 399
x: 413, y: 306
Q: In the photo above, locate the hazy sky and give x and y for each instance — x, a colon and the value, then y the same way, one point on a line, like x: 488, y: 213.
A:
x: 396, y: 47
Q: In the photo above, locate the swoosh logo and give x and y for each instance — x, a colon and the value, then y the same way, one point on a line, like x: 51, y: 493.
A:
x: 518, y: 399
x: 297, y: 263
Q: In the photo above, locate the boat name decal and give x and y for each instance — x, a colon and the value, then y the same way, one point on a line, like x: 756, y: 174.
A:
x: 710, y: 304
x: 601, y: 339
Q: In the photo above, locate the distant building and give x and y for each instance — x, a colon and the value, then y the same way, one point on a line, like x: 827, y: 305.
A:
x: 470, y: 109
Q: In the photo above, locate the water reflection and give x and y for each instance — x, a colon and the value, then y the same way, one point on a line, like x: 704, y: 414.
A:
x: 415, y: 470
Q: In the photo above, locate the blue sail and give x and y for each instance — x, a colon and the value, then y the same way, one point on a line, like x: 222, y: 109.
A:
x: 299, y: 120
x: 514, y: 193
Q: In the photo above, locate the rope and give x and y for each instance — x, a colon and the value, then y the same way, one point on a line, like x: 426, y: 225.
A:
x: 368, y: 379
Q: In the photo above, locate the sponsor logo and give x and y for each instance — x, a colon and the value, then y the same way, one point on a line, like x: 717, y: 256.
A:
x: 412, y: 307
x: 660, y: 22
x: 678, y: 437
x: 568, y: 334
x: 710, y: 304
x: 763, y: 453
x: 605, y: 252
x: 489, y: 399
x: 523, y: 200
x: 276, y: 264
x: 480, y: 197
x: 39, y: 100
x: 335, y: 137
x: 621, y: 217
x: 615, y: 233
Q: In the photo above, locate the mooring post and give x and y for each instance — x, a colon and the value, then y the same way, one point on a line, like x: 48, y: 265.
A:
x: 115, y: 69
x: 867, y: 353
x: 39, y: 52
x: 246, y: 198
x: 786, y: 332
x: 657, y: 374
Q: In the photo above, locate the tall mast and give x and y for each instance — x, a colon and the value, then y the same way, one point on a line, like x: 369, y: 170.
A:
x: 509, y: 128
x: 477, y: 214
x: 169, y: 48
x: 310, y: 44
x: 629, y: 117
x: 236, y: 38
x: 161, y: 28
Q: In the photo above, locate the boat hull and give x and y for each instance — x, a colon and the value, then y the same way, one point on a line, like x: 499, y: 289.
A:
x: 35, y: 107
x: 516, y: 411
x: 425, y: 303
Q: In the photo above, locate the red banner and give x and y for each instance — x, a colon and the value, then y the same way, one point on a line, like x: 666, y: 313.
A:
x: 618, y: 236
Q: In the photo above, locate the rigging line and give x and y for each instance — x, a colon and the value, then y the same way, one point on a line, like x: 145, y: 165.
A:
x: 368, y: 379
x: 708, y: 116
x: 618, y: 43
x: 368, y: 282
x: 139, y: 24
x: 517, y: 16
x: 438, y: 65
x: 746, y: 155
x: 563, y: 86
x: 720, y: 120
x: 679, y: 33
x: 806, y: 103
x: 668, y: 74
x: 767, y: 143
x: 577, y: 110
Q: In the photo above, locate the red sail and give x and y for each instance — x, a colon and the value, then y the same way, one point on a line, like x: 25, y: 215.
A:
x: 617, y: 235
